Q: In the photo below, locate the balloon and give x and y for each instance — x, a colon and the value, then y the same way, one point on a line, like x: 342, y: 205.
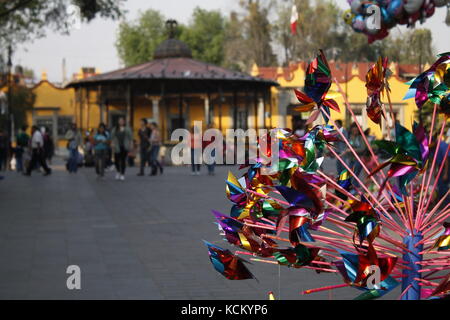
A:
x: 359, y: 23
x: 356, y: 6
x: 383, y: 33
x: 395, y: 8
x: 387, y: 19
x: 348, y: 17
x: 412, y: 18
x: 440, y: 3
x: 369, y: 29
x: 429, y: 9
x: 412, y: 6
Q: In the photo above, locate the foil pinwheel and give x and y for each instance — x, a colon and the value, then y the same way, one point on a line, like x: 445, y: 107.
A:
x: 433, y: 85
x: 376, y: 84
x: 378, y: 235
x: 316, y: 91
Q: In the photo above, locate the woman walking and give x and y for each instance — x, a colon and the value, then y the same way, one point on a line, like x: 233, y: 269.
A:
x: 155, y: 143
x: 101, y: 150
x: 121, y: 139
x: 73, y: 137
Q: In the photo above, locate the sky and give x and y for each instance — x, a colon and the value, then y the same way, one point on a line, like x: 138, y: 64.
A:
x: 92, y: 45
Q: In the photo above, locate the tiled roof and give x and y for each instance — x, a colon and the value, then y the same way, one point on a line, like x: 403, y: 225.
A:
x: 173, y: 69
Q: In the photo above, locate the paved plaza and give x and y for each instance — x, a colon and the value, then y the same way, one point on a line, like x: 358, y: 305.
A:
x: 137, y: 239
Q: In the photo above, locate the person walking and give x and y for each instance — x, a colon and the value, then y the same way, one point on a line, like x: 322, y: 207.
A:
x: 37, y: 153
x: 121, y: 140
x: 357, y: 143
x: 340, y: 145
x: 144, y: 134
x: 101, y: 140
x: 155, y: 146
x: 49, y: 145
x: 211, y: 166
x: 73, y: 137
x: 23, y: 140
x: 196, y: 149
x: 4, y: 149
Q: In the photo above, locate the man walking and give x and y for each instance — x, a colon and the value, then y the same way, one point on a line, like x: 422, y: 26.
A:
x: 340, y: 146
x: 37, y: 153
x: 144, y: 145
x: 23, y: 140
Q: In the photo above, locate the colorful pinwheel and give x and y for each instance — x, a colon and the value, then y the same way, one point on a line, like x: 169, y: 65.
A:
x: 228, y: 264
x: 433, y: 84
x: 376, y: 85
x: 318, y: 82
x: 329, y: 224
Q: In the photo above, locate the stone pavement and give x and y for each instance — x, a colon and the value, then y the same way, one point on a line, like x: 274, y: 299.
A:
x: 137, y: 239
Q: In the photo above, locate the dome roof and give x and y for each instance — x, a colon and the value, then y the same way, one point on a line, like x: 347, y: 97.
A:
x: 172, y: 48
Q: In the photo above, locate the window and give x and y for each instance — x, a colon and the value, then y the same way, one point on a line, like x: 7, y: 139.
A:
x: 64, y: 123
x: 44, y: 122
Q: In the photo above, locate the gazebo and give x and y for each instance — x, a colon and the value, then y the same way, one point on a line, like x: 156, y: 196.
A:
x: 174, y: 90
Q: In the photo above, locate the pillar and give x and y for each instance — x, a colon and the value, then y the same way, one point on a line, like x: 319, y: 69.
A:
x: 261, y: 114
x: 207, y: 111
x: 155, y: 109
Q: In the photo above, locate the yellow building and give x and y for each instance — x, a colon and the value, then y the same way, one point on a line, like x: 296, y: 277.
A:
x: 351, y: 78
x: 54, y: 108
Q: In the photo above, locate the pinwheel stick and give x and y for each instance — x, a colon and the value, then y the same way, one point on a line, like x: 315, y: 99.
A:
x: 433, y: 119
x: 309, y: 291
x: 361, y: 162
x: 420, y: 209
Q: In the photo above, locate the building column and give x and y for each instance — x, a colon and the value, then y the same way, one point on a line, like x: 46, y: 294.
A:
x: 207, y: 114
x: 128, y: 103
x: 55, y: 128
x: 155, y: 109
x: 261, y: 114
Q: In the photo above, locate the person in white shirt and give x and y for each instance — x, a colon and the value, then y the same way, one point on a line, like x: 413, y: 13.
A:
x: 37, y: 155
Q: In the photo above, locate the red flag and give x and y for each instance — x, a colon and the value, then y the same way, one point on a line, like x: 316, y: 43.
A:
x: 294, y: 19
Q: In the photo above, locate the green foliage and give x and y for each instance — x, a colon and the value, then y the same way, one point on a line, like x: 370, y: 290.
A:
x: 205, y: 35
x: 137, y: 40
x: 257, y: 31
x: 23, y: 100
x: 414, y: 47
x: 24, y: 20
x: 236, y: 52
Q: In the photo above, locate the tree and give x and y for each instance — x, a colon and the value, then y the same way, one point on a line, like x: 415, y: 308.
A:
x: 137, y: 40
x: 319, y: 26
x: 258, y: 31
x: 23, y: 100
x: 205, y: 35
x: 24, y: 20
x: 237, y: 56
x: 412, y: 47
